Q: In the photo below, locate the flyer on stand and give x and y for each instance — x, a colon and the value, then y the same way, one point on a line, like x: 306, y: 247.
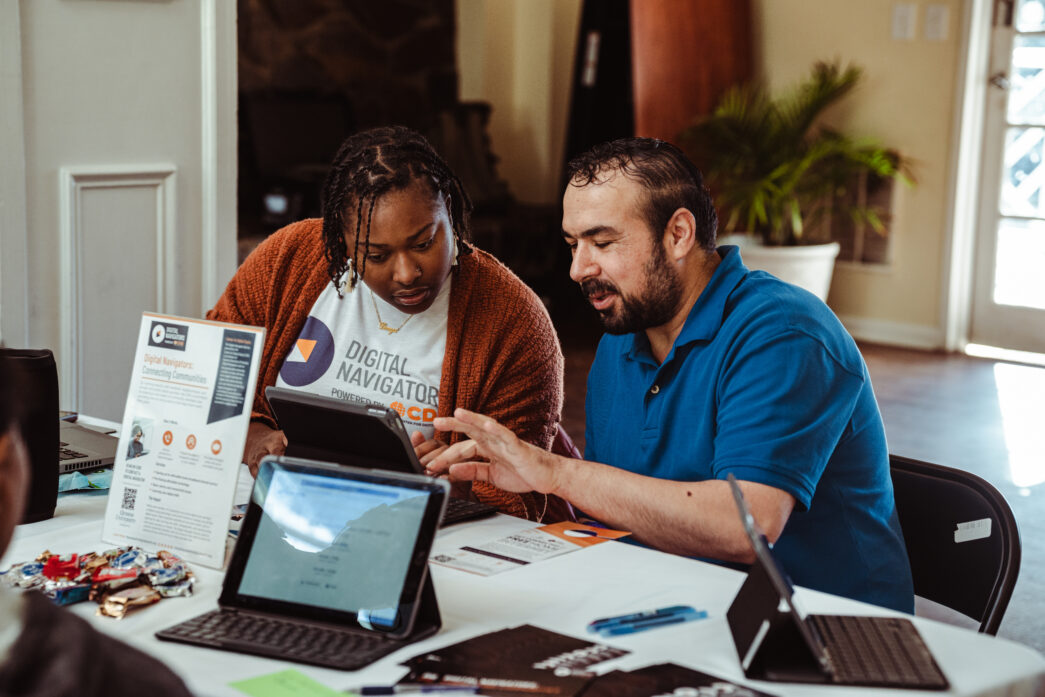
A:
x: 182, y: 436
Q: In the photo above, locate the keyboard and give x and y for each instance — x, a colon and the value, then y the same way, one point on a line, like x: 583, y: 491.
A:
x: 878, y: 651
x: 67, y: 453
x: 286, y: 640
x: 460, y: 510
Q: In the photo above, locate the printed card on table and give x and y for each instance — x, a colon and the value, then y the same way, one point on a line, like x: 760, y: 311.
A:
x: 525, y: 547
x: 182, y: 437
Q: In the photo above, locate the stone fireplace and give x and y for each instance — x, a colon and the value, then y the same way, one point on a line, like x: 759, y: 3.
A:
x: 313, y: 71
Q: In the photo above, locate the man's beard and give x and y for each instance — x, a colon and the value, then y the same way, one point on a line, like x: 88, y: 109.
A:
x: 656, y: 305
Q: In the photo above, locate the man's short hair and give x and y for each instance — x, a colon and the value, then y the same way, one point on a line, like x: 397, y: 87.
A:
x: 671, y: 181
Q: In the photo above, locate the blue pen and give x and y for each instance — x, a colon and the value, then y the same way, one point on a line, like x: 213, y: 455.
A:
x: 632, y: 627
x: 671, y: 611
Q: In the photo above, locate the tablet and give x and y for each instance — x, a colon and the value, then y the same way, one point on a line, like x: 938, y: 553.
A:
x: 334, y: 544
x: 333, y: 430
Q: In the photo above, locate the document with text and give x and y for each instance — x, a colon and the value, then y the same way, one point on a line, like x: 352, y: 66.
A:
x: 525, y: 547
x: 182, y: 437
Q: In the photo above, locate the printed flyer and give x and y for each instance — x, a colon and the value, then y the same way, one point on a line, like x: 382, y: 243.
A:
x: 182, y: 437
x: 525, y: 547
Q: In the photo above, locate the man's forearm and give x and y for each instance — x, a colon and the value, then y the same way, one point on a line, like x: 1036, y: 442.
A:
x: 690, y: 518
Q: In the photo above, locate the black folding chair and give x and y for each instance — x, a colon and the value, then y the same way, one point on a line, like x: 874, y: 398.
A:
x: 957, y: 559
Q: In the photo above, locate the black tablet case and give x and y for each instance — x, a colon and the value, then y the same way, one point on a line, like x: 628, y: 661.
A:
x: 330, y: 430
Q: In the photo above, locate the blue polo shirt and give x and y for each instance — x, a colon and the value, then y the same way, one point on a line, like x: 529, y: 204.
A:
x: 764, y: 382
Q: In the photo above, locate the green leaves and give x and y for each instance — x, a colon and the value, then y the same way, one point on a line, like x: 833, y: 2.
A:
x: 775, y: 170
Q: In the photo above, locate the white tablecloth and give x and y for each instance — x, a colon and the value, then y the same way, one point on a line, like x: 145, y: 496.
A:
x: 561, y: 594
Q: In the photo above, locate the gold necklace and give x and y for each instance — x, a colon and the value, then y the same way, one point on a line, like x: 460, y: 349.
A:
x: 381, y: 322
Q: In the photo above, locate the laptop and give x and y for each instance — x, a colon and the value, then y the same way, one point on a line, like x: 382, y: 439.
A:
x: 81, y: 448
x: 777, y: 640
x: 330, y: 567
x: 360, y: 435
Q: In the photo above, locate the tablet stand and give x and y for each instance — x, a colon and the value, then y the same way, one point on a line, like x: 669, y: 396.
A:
x: 770, y: 645
x: 428, y: 620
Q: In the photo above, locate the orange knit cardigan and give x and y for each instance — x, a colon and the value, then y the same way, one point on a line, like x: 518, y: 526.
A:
x: 502, y: 355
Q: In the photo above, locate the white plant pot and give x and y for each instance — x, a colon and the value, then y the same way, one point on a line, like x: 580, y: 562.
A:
x: 807, y: 266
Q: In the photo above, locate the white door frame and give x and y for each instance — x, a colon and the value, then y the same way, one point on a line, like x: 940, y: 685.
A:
x: 219, y: 81
x: 967, y: 150
x: 995, y: 322
x: 14, y: 284
x: 218, y: 62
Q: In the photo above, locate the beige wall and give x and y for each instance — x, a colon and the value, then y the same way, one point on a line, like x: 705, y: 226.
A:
x: 518, y: 55
x: 907, y: 101
x: 127, y: 196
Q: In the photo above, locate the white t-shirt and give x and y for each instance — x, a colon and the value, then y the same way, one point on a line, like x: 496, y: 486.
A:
x: 343, y: 352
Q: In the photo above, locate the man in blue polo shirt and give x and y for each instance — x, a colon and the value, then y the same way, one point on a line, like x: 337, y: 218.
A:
x: 707, y: 369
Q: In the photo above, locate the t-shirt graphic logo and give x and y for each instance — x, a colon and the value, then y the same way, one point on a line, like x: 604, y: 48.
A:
x: 310, y: 356
x: 414, y: 414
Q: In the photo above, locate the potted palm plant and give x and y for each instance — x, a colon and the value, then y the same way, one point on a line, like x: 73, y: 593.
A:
x: 779, y: 174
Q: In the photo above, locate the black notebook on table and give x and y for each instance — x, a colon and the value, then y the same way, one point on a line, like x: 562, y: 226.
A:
x: 332, y: 430
x: 513, y: 661
x: 330, y: 567
x: 792, y: 646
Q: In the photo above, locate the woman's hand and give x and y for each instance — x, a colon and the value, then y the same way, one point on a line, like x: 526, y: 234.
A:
x: 261, y: 441
x: 426, y: 450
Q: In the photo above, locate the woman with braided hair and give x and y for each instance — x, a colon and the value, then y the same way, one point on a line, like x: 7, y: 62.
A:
x: 384, y: 301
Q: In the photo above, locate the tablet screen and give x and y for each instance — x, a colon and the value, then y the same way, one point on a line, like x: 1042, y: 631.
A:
x: 335, y: 543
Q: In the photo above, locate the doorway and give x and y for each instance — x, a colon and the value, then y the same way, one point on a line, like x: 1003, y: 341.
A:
x: 1008, y: 296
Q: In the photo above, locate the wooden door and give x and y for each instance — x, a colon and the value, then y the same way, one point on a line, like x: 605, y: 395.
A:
x: 685, y: 54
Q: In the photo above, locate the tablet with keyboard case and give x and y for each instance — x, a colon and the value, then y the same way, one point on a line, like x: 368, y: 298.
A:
x: 330, y: 567
x: 777, y: 640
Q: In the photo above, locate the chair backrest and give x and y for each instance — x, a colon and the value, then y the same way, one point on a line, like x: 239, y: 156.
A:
x: 961, y: 539
x: 558, y: 509
x: 563, y: 444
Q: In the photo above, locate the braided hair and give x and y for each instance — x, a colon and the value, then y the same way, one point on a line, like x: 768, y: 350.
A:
x: 368, y: 165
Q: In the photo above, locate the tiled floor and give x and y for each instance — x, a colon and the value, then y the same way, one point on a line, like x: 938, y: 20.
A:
x: 978, y: 415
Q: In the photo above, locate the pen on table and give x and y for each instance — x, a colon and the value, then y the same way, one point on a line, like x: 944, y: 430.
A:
x: 407, y: 688
x: 674, y: 610
x: 632, y: 627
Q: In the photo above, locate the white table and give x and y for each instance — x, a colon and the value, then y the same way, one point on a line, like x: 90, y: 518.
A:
x: 561, y: 594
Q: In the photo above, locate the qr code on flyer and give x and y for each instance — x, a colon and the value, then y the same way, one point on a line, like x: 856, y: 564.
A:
x: 129, y: 497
